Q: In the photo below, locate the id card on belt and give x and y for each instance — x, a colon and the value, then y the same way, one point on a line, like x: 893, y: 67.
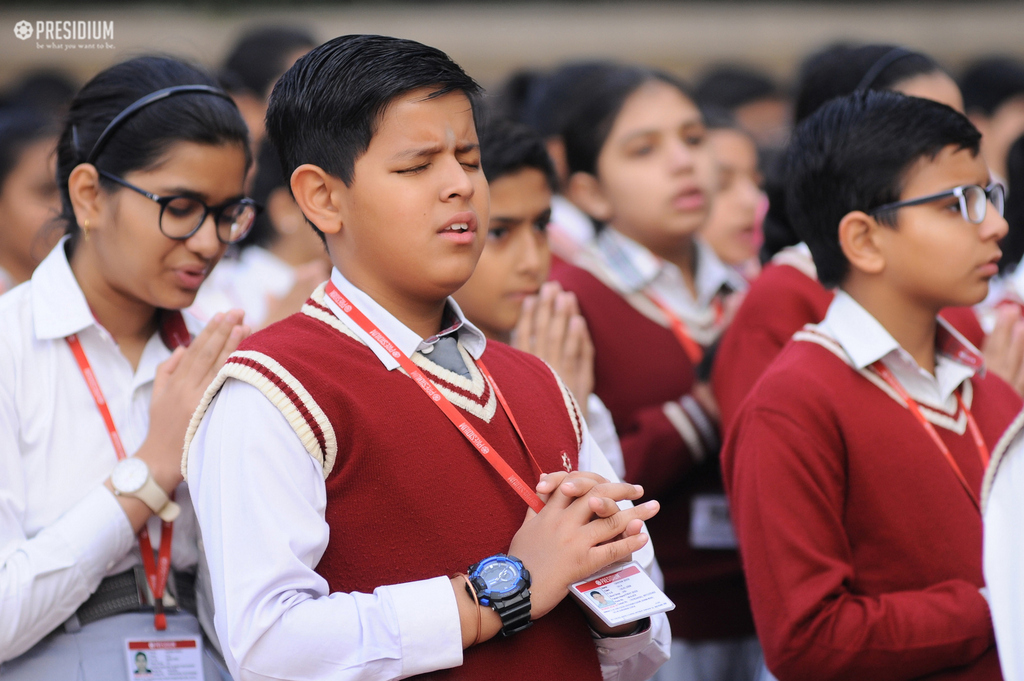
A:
x: 620, y: 594
x: 167, y: 659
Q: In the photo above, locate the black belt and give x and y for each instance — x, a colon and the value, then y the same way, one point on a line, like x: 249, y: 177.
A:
x: 128, y: 592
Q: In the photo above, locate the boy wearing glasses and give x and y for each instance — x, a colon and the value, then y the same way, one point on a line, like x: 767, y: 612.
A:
x: 854, y: 469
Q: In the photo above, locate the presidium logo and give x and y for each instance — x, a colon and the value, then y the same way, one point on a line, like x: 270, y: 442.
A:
x: 67, y: 35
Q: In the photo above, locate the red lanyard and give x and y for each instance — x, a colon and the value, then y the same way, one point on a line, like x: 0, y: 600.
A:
x: 156, y: 572
x: 692, y: 349
x: 454, y: 415
x: 972, y: 425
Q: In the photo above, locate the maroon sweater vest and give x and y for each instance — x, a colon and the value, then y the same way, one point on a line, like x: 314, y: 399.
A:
x: 862, y: 550
x: 638, y: 366
x: 408, y: 498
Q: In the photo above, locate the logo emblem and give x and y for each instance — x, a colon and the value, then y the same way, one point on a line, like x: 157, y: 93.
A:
x: 566, y: 462
x: 23, y: 30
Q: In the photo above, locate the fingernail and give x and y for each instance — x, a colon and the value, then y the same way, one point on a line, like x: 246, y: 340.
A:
x: 639, y: 489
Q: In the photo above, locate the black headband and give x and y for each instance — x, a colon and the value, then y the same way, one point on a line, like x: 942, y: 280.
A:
x: 133, y: 108
x: 884, y: 62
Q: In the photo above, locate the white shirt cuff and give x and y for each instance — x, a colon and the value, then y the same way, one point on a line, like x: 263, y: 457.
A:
x: 96, y: 531
x: 429, y: 624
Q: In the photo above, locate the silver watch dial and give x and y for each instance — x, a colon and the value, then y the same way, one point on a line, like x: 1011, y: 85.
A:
x: 129, y: 475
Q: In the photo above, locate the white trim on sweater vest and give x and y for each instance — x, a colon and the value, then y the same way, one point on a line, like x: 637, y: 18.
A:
x: 998, y: 456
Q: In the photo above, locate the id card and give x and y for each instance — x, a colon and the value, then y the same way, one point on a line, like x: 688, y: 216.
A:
x: 620, y: 594
x: 710, y: 525
x: 178, y: 659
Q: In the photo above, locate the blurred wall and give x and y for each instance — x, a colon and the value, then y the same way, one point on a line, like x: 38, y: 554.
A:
x: 491, y: 40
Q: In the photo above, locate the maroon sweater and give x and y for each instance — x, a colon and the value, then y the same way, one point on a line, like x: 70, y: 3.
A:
x: 862, y: 551
x: 779, y: 303
x: 408, y: 498
x: 638, y: 367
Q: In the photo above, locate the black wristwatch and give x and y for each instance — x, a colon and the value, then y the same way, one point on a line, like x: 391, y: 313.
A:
x: 504, y: 584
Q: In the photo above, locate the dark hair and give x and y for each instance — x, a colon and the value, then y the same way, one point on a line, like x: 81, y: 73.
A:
x: 840, y: 69
x: 599, y: 106
x: 268, y: 178
x: 730, y: 87
x: 1012, y: 244
x: 507, y: 147
x: 326, y: 108
x: 142, y: 139
x: 20, y: 127
x: 835, y: 71
x: 47, y: 90
x: 853, y: 154
x: 554, y: 99
x: 988, y: 83
x: 258, y: 58
x: 510, y: 99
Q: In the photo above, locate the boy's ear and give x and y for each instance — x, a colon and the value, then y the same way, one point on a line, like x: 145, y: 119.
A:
x: 318, y: 195
x: 585, y: 191
x: 859, y: 238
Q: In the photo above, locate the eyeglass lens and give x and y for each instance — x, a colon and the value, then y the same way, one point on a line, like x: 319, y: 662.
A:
x: 975, y: 202
x: 182, y: 216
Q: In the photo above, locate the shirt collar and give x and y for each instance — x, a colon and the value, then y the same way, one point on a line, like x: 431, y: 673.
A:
x: 866, y: 341
x: 636, y: 267
x: 404, y: 338
x: 59, y: 307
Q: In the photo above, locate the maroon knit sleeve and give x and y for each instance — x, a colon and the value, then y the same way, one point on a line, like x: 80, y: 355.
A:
x: 786, y: 480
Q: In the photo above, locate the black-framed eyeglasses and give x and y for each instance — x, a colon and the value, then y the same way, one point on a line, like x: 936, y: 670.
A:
x: 182, y: 216
x: 974, y: 200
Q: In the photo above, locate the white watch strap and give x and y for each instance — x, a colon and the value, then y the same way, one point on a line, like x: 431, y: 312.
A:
x: 153, y: 496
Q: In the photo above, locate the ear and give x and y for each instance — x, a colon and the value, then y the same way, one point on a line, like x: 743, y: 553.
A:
x: 585, y: 191
x: 556, y: 150
x: 86, y: 195
x: 318, y: 195
x: 861, y: 238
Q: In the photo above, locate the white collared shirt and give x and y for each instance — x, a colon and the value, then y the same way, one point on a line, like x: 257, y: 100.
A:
x: 637, y: 270
x: 866, y: 341
x: 61, y: 530
x: 264, y: 531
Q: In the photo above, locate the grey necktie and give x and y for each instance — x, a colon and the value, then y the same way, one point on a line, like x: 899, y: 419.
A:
x: 446, y: 354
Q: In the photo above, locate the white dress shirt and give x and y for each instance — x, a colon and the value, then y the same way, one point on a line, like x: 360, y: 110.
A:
x: 637, y: 270
x: 1004, y: 560
x: 244, y: 282
x: 61, y: 529
x: 261, y: 499
x: 865, y: 341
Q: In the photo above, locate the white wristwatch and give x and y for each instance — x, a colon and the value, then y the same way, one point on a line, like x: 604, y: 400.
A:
x: 131, y: 478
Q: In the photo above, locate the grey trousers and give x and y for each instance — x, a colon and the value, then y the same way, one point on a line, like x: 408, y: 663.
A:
x: 96, y: 652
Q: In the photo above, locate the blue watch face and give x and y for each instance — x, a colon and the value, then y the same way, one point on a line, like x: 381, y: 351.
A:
x: 500, y: 575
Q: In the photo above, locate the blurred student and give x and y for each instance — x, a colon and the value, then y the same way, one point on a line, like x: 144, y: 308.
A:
x: 993, y: 91
x: 96, y: 383
x: 754, y: 99
x: 255, y: 63
x: 374, y: 431
x: 855, y: 466
x: 507, y: 297
x: 654, y: 297
x: 28, y: 192
x: 733, y: 228
x: 271, y: 273
x: 787, y: 293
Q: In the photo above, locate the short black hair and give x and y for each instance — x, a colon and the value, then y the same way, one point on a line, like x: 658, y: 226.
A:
x: 326, y: 108
x: 141, y: 141
x: 20, y: 126
x: 853, y: 154
x: 258, y: 58
x: 988, y: 83
x: 507, y: 147
x: 1012, y: 244
x: 554, y: 98
x: 730, y: 86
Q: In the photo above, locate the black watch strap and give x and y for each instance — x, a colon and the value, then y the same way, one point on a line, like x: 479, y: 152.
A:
x: 514, y: 613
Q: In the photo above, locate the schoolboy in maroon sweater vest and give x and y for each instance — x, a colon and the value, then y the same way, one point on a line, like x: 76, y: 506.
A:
x: 351, y: 461
x: 855, y: 466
